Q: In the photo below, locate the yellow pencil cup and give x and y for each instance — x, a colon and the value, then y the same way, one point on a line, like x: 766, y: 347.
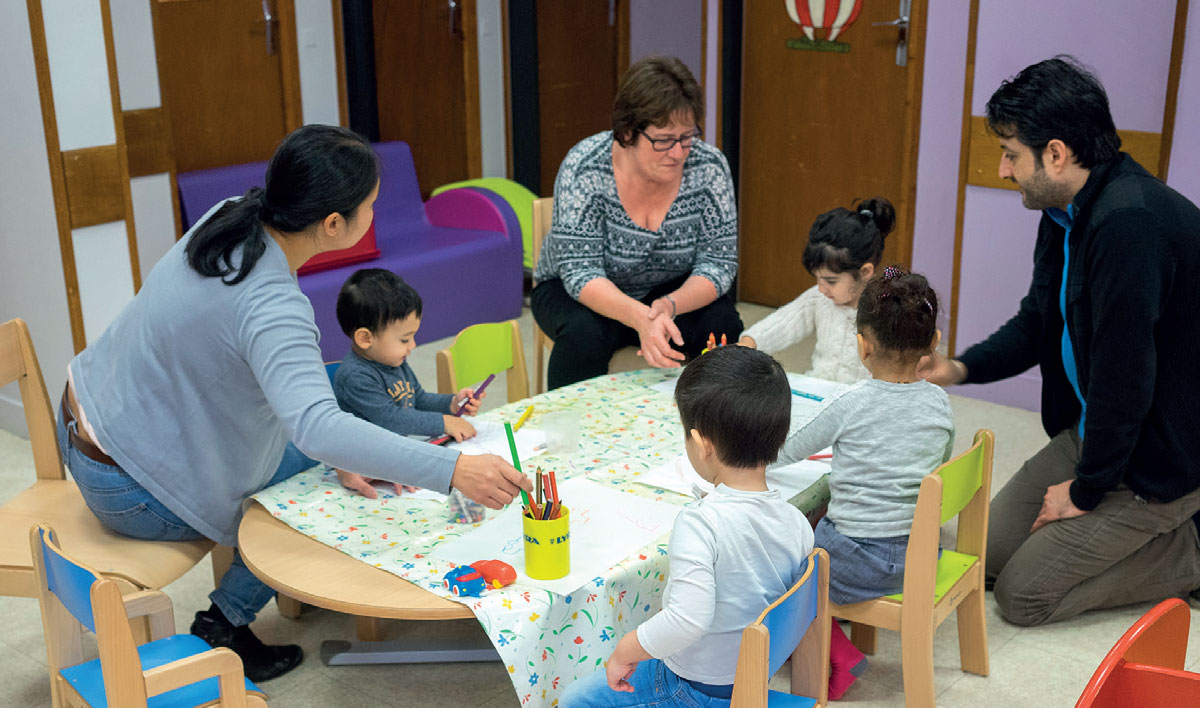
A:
x: 548, y: 546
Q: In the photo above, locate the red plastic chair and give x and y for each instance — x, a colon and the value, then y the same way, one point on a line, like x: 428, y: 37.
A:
x: 1145, y: 666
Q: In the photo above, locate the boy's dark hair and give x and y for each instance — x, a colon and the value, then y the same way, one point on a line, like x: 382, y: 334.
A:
x: 739, y: 399
x: 652, y: 91
x: 845, y: 239
x: 374, y: 298
x: 900, y: 310
x: 1056, y: 99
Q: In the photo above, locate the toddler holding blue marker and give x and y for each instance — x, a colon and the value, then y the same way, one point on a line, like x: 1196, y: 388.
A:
x: 843, y: 251
x: 731, y: 554
x: 887, y: 433
x: 381, y: 314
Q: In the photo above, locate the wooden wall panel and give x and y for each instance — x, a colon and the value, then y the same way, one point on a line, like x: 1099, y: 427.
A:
x: 984, y: 154
x: 148, y: 142
x: 95, y: 190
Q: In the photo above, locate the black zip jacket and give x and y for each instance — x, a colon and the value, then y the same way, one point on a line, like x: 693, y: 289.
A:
x: 1133, y: 308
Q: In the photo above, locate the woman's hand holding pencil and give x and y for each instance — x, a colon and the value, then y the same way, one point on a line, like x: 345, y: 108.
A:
x: 489, y: 480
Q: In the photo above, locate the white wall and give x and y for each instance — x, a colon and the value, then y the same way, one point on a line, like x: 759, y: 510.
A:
x: 31, y: 280
x: 318, y: 65
x: 493, y: 128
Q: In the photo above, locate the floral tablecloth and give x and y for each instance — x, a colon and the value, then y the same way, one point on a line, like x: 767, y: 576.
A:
x: 545, y: 640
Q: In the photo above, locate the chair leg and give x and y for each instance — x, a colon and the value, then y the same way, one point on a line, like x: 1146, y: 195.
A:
x: 369, y: 629
x: 539, y: 357
x: 863, y: 637
x: 222, y: 558
x: 288, y: 606
x: 972, y: 633
x: 916, y: 659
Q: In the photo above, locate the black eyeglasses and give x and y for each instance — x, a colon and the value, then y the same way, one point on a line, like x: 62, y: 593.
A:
x: 665, y: 144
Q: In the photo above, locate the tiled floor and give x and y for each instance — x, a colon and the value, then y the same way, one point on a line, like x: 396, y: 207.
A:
x: 1043, y: 666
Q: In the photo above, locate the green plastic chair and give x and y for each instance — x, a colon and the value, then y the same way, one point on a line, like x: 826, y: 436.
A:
x: 480, y: 351
x: 933, y: 586
x: 517, y: 196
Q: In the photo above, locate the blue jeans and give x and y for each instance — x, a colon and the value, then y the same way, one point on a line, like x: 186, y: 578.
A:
x: 653, y: 685
x: 124, y: 506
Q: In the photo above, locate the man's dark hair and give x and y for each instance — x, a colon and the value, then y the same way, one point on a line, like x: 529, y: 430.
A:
x: 375, y: 298
x: 739, y: 399
x: 1056, y: 99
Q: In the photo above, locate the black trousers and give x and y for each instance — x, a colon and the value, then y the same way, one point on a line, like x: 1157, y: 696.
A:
x: 585, y: 340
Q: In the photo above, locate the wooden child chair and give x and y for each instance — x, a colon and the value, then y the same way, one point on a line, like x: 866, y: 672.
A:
x: 52, y: 498
x: 795, y: 625
x: 624, y: 359
x: 481, y: 350
x: 175, y: 670
x: 1145, y: 666
x: 934, y: 587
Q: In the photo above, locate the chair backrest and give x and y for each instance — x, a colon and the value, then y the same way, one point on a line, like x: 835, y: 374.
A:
x: 481, y: 350
x: 1145, y: 666
x: 399, y: 192
x: 331, y: 368
x: 18, y: 362
x: 543, y: 215
x: 518, y: 197
x: 796, y: 626
x: 74, y: 596
x: 960, y: 487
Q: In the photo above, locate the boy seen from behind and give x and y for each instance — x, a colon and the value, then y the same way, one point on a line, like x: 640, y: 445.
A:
x: 731, y: 554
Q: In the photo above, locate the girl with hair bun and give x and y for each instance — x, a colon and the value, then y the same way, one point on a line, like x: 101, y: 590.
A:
x: 843, y: 251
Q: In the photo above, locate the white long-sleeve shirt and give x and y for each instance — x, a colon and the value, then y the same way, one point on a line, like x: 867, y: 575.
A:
x: 835, y: 353
x: 731, y: 554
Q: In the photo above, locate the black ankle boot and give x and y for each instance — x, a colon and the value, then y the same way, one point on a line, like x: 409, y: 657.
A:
x: 260, y: 661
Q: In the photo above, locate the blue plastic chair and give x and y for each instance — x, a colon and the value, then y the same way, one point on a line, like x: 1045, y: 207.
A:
x: 170, y: 671
x: 797, y: 626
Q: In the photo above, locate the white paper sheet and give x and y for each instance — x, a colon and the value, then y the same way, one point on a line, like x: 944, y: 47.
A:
x: 492, y: 440
x: 678, y: 475
x: 607, y: 526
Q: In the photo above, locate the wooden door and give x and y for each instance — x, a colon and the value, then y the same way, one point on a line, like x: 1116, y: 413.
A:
x: 426, y: 77
x: 582, y: 51
x: 819, y: 129
x: 229, y: 77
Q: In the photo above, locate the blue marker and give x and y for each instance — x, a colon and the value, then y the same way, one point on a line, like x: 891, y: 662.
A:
x: 811, y: 396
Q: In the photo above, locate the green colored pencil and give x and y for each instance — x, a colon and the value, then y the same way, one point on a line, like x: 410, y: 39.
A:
x: 512, y: 447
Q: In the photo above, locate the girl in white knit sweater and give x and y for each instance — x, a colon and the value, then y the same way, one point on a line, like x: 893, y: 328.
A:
x: 844, y: 248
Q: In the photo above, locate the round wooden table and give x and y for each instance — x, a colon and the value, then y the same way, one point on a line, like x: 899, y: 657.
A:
x: 314, y: 573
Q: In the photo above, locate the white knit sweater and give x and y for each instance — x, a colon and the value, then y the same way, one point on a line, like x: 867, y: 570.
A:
x: 835, y: 354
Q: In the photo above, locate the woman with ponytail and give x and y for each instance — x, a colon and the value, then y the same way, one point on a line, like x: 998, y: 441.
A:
x: 209, y: 385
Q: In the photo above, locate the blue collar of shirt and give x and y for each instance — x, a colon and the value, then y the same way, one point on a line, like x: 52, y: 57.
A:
x: 1065, y: 219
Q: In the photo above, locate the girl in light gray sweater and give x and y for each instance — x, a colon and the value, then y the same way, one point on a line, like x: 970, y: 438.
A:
x: 887, y: 433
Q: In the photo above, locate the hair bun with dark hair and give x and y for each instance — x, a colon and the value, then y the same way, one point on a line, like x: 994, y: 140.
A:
x: 881, y: 212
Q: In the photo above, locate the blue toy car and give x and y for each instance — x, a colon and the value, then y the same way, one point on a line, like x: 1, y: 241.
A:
x: 464, y: 581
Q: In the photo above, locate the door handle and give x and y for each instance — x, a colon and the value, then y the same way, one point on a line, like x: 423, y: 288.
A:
x: 272, y: 25
x: 902, y: 26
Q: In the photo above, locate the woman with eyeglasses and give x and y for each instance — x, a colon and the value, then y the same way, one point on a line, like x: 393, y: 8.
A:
x: 642, y: 248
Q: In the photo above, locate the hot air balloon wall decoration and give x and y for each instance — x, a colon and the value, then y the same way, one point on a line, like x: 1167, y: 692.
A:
x: 832, y: 16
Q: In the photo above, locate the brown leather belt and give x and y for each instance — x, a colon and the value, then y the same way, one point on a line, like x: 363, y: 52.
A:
x: 87, y: 447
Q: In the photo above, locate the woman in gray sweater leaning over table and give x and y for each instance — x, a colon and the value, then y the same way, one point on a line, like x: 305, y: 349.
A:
x: 642, y: 248
x: 209, y: 385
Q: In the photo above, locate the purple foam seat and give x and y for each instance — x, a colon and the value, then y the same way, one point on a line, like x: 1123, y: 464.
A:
x: 461, y: 250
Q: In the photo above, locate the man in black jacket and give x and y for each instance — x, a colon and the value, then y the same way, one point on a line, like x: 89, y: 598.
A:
x: 1103, y: 515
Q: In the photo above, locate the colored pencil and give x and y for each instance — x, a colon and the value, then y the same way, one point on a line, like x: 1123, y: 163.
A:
x: 538, y: 485
x: 810, y: 396
x: 462, y: 407
x: 524, y: 417
x: 512, y: 447
x: 826, y: 456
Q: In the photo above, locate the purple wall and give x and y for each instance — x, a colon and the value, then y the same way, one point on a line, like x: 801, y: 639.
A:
x: 998, y: 233
x: 938, y: 146
x: 670, y: 27
x: 1184, y: 171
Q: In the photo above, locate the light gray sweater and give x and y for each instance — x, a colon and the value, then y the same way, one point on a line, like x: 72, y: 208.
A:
x: 197, y: 386
x: 886, y: 437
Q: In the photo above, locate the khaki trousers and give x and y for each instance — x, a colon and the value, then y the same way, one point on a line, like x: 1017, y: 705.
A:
x: 1126, y: 550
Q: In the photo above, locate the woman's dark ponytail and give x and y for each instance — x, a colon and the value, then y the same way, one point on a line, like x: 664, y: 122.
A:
x: 316, y: 171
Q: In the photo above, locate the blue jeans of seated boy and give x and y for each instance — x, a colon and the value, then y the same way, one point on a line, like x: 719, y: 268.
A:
x: 653, y: 685
x: 124, y: 506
